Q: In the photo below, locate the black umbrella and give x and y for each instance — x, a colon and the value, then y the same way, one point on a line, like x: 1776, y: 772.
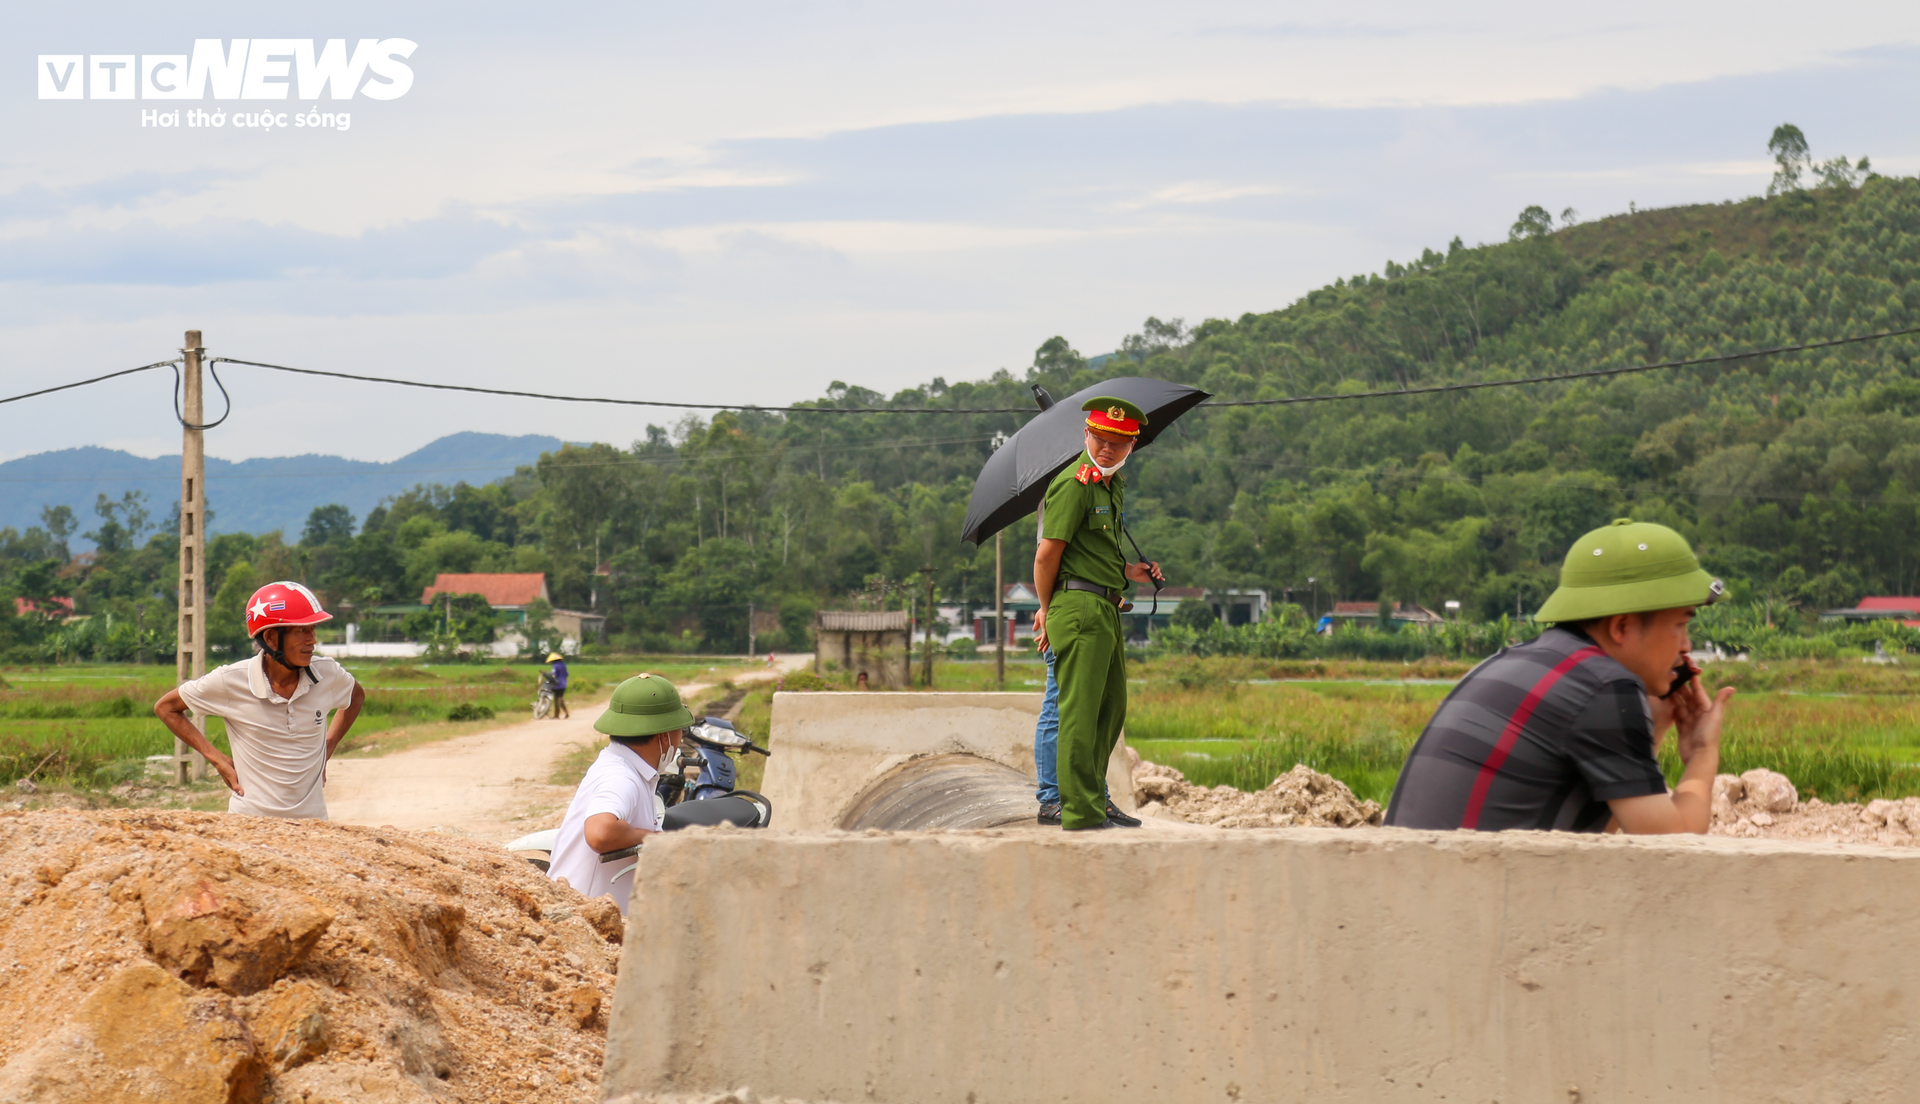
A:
x: 1015, y: 477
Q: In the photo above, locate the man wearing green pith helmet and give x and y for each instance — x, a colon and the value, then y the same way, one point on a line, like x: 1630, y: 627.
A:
x: 613, y: 809
x: 1563, y: 732
x: 1081, y: 577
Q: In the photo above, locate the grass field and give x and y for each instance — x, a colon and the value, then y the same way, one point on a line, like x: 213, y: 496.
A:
x: 1842, y: 730
x: 93, y: 725
x: 1838, y: 745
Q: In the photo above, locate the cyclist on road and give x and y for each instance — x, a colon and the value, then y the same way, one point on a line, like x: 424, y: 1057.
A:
x: 558, y: 680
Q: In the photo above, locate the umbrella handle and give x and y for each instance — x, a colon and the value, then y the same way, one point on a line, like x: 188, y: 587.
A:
x: 1143, y: 559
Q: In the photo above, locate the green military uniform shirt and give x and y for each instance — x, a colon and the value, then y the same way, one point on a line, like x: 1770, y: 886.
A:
x: 1086, y: 514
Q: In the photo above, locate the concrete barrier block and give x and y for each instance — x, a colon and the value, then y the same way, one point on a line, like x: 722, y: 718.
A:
x: 1292, y: 965
x: 829, y: 747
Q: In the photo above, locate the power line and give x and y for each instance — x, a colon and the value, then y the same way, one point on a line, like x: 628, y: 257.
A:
x: 1563, y: 376
x: 635, y: 402
x: 96, y: 379
x: 1560, y: 377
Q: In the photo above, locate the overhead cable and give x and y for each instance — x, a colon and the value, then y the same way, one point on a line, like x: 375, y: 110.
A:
x: 1560, y: 377
x: 637, y: 402
x: 96, y: 379
x: 1590, y: 373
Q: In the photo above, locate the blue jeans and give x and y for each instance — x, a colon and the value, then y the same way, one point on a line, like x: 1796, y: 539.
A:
x: 1046, y: 739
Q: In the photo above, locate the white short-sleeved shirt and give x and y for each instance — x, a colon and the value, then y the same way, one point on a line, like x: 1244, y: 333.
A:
x: 279, y: 744
x: 621, y: 783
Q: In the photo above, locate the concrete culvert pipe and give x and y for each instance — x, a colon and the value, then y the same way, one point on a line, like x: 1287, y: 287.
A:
x: 945, y: 791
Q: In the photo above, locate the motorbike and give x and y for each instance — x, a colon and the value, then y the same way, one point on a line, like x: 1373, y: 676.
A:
x: 695, y: 788
x: 543, y: 698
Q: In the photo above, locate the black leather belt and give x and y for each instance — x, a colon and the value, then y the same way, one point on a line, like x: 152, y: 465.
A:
x: 1117, y: 597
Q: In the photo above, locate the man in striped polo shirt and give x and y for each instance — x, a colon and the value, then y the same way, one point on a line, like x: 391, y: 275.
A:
x: 1560, y: 733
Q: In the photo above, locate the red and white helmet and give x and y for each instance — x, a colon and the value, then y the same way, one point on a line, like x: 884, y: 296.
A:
x: 283, y: 603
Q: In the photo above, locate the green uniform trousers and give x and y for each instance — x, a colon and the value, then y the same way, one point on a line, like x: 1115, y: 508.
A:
x: 1084, y: 631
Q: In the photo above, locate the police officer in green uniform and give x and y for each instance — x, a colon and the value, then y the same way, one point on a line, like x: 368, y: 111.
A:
x: 1082, y: 577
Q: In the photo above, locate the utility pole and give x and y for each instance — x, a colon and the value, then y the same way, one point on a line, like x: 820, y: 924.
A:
x: 999, y: 614
x: 926, y: 662
x: 191, y: 636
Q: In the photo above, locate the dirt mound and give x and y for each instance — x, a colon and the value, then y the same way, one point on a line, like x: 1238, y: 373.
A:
x: 1300, y: 798
x: 1763, y: 804
x: 186, y: 957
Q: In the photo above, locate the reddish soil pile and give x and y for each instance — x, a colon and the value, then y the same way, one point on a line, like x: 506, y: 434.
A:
x: 1300, y: 798
x: 186, y: 957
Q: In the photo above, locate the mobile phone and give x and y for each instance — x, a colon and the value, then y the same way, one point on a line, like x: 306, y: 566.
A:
x: 1683, y: 673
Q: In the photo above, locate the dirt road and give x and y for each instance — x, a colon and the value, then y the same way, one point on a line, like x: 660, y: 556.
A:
x: 490, y: 785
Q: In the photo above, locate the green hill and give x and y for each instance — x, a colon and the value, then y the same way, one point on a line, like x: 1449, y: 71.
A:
x: 1795, y: 474
x: 1798, y: 476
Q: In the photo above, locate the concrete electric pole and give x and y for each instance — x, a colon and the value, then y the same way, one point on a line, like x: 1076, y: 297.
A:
x: 191, y: 638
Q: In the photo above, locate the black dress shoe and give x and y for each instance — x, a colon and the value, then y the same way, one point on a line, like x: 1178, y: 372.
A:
x: 1123, y: 820
x: 1050, y: 815
x: 1096, y: 827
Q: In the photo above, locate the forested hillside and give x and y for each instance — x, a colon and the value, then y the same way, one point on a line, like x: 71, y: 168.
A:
x: 1797, y: 476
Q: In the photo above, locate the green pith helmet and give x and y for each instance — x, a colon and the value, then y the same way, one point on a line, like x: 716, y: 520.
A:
x: 644, y: 705
x: 1628, y: 567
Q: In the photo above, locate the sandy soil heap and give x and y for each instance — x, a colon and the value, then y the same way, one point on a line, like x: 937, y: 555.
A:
x: 187, y: 957
x: 1300, y: 798
x: 1757, y: 804
x: 1764, y: 804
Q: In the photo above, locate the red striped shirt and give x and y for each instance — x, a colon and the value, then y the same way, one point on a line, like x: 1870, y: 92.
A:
x: 1498, y: 756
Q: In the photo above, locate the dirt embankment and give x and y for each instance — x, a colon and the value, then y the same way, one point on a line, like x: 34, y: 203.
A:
x: 188, y: 957
x: 1763, y: 804
x: 1300, y: 798
x: 1760, y: 804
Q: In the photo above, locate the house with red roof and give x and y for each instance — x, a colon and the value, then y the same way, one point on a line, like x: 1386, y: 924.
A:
x: 1905, y: 609
x: 510, y: 593
x: 60, y: 608
x: 504, y: 592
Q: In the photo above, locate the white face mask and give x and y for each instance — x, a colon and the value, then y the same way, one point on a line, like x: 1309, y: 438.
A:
x: 1105, y: 471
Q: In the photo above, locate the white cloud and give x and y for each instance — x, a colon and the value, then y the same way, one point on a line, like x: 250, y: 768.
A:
x: 754, y: 200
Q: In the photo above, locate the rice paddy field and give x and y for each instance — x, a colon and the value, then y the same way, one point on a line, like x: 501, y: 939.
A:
x: 1843, y: 730
x: 93, y: 725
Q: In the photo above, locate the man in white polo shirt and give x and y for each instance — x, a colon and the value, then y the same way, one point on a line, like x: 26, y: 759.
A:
x: 275, y: 706
x: 613, y: 810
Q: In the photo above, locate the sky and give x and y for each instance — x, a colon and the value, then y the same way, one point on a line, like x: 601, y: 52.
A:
x: 748, y: 202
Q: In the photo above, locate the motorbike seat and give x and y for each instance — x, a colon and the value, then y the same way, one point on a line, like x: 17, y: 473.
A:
x: 711, y: 812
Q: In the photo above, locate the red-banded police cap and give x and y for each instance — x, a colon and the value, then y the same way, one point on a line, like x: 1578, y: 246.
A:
x: 1111, y: 415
